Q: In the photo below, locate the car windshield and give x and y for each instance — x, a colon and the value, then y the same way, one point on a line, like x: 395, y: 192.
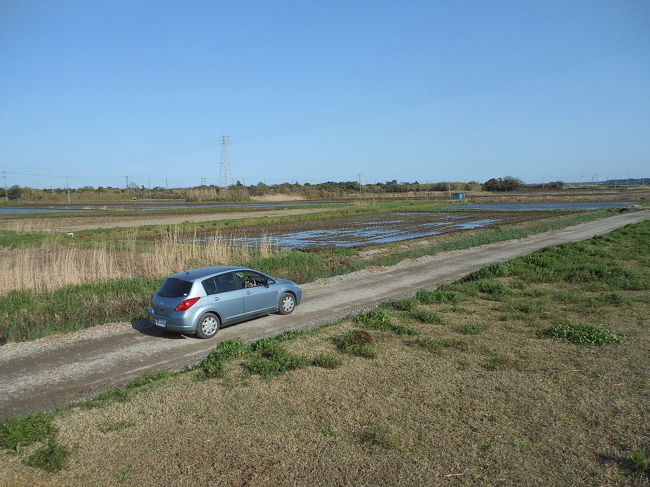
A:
x: 175, y: 288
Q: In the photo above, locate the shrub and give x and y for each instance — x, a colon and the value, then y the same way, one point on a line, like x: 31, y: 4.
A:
x: 588, y: 335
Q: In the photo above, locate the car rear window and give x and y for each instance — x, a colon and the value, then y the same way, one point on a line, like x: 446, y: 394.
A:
x: 175, y: 288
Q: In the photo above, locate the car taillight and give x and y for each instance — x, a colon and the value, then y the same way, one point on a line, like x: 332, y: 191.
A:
x: 187, y: 304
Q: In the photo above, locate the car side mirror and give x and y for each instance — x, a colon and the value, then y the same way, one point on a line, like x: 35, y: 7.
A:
x: 266, y: 283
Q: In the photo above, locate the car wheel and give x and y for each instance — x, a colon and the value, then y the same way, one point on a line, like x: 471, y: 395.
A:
x: 287, y: 304
x: 208, y: 326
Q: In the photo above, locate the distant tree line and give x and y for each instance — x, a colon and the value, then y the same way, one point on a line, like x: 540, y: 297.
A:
x: 241, y: 192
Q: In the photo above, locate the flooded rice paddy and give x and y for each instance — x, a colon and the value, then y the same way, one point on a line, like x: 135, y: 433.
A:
x: 560, y: 205
x: 359, y: 231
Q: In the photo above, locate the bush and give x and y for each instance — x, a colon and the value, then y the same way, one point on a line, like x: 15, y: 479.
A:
x: 588, y: 335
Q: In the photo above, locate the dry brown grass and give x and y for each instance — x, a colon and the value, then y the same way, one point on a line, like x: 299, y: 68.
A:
x: 54, y: 265
x: 556, y: 414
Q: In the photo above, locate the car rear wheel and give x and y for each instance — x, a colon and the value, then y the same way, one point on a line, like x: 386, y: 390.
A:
x: 208, y: 326
x: 287, y: 304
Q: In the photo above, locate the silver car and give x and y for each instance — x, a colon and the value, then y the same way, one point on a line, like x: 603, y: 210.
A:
x: 202, y: 300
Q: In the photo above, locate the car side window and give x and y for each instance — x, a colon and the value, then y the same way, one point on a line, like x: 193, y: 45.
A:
x: 227, y: 282
x: 210, y: 286
x: 251, y: 279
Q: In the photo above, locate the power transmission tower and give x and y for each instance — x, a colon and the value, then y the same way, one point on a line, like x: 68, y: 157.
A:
x: 225, y: 177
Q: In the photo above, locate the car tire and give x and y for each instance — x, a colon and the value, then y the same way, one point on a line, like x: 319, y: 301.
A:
x: 208, y: 325
x: 287, y: 304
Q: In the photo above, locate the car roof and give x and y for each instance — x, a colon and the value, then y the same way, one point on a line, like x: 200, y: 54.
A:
x: 194, y: 274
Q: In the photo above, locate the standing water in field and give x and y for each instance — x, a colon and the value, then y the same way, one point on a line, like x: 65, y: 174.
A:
x: 360, y: 231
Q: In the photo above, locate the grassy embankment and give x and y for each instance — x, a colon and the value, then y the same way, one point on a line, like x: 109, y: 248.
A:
x: 530, y: 372
x: 105, y: 294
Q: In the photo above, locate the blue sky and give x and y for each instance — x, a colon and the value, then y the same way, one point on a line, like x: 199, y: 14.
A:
x: 315, y: 91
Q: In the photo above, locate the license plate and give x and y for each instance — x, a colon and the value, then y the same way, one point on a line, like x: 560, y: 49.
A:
x: 161, y: 323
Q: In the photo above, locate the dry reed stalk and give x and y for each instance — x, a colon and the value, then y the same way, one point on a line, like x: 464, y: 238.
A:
x: 53, y: 265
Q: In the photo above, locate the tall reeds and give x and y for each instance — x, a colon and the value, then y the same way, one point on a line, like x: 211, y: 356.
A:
x: 54, y: 265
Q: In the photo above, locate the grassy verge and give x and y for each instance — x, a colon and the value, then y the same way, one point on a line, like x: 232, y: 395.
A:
x: 533, y: 363
x: 27, y: 315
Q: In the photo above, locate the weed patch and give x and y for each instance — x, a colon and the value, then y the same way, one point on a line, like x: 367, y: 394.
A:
x: 52, y: 457
x: 274, y: 360
x: 472, y: 329
x: 401, y: 305
x: 356, y: 342
x: 17, y: 433
x: 587, y: 335
x: 441, y: 295
x: 326, y: 361
x: 378, y: 319
x: 424, y: 316
x: 214, y: 364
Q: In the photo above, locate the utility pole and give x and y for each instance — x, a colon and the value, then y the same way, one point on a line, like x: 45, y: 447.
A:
x: 67, y: 185
x: 4, y: 176
x: 166, y: 183
x: 225, y: 175
x: 359, y: 174
x: 149, y: 184
x: 127, y: 187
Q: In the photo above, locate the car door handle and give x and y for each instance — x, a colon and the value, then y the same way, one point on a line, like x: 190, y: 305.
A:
x: 248, y: 292
x: 216, y: 299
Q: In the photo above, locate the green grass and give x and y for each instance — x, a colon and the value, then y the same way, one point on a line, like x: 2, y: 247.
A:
x: 582, y: 334
x: 380, y: 436
x: 378, y: 319
x: 27, y: 315
x: 356, y: 342
x: 18, y: 433
x: 401, y: 305
x: 214, y: 364
x: 440, y: 295
x: 273, y: 360
x: 426, y: 316
x: 52, y: 457
x: 472, y: 329
x: 326, y: 361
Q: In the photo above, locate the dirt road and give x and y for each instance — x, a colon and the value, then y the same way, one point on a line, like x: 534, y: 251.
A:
x: 57, y: 370
x: 88, y: 223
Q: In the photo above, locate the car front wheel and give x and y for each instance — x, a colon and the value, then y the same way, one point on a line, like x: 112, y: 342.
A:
x: 208, y: 326
x: 287, y: 304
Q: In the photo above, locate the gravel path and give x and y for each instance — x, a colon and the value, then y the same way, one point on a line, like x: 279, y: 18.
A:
x: 60, y: 369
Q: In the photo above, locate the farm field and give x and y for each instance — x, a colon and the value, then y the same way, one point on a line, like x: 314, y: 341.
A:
x: 529, y: 372
x: 103, y: 275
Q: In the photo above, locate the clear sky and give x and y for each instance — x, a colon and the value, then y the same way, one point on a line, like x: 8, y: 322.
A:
x: 314, y: 91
